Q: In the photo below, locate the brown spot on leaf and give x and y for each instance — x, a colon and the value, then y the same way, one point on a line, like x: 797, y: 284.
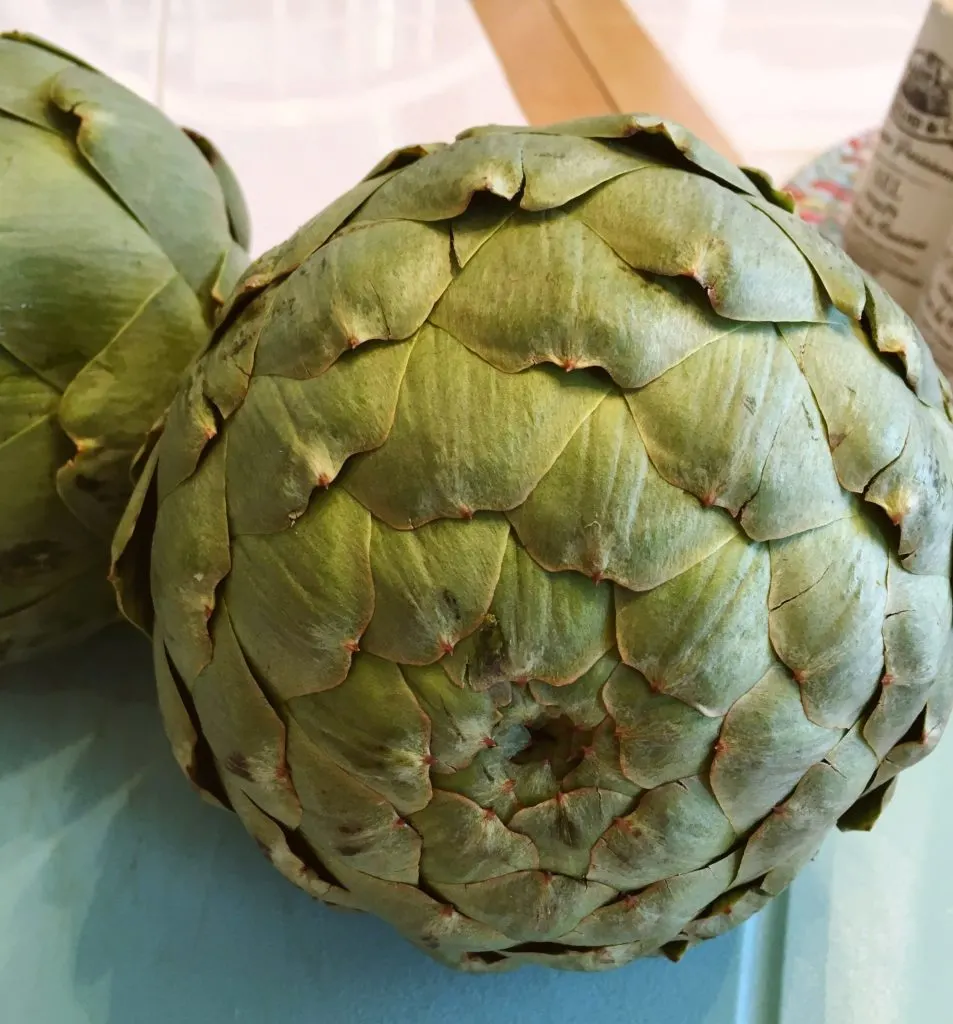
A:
x: 237, y: 764
x: 31, y: 558
x: 87, y: 484
x: 451, y: 602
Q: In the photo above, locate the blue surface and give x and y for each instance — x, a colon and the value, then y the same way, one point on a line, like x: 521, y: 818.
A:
x: 869, y: 937
x: 124, y: 899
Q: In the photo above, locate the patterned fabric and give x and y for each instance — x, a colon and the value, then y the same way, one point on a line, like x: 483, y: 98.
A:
x: 824, y: 188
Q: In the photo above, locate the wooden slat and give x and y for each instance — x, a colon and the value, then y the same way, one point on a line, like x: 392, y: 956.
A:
x: 570, y: 58
x: 550, y: 78
x: 633, y: 70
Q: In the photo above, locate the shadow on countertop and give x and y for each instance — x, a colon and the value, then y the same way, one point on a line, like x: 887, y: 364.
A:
x: 124, y: 899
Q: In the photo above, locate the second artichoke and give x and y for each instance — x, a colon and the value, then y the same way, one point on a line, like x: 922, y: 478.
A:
x: 120, y: 236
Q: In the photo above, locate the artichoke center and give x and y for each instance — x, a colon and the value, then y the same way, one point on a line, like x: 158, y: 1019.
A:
x: 557, y: 741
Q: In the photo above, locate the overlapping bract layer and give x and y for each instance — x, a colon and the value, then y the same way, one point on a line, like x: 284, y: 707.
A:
x: 552, y: 548
x: 120, y: 235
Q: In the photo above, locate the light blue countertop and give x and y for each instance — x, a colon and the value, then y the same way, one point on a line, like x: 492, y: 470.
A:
x: 124, y: 899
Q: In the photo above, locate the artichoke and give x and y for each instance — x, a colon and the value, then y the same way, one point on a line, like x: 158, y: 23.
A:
x: 120, y: 235
x: 552, y: 547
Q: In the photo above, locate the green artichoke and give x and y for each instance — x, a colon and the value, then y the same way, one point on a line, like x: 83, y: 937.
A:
x: 120, y: 236
x: 552, y: 547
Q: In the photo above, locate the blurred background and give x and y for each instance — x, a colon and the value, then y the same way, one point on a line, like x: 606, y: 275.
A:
x: 305, y: 95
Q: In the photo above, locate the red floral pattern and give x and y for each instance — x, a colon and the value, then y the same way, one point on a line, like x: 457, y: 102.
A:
x: 823, y: 189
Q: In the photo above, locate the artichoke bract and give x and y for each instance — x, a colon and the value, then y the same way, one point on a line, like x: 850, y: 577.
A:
x: 120, y: 236
x: 552, y: 547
